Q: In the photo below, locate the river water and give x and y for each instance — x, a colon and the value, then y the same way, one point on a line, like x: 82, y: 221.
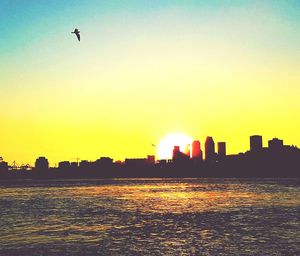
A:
x: 150, y: 217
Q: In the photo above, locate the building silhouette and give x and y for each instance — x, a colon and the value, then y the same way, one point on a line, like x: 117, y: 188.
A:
x: 85, y: 165
x: 176, y: 153
x: 188, y: 150
x: 136, y: 162
x: 256, y: 143
x: 210, y: 154
x: 275, y: 144
x: 41, y: 163
x: 64, y: 165
x: 3, y: 166
x: 221, y: 150
x: 151, y: 159
x: 276, y: 160
x: 74, y: 165
x: 103, y: 162
x: 196, y: 150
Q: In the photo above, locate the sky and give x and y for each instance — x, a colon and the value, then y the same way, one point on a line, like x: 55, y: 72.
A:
x: 143, y: 70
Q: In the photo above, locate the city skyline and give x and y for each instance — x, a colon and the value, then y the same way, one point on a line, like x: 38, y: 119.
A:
x: 143, y: 70
x: 208, y: 150
x: 275, y: 160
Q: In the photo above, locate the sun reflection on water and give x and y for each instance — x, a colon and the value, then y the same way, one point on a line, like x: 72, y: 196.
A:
x: 184, y: 197
x: 161, y: 217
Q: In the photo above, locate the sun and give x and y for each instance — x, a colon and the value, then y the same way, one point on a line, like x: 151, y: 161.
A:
x: 166, y: 145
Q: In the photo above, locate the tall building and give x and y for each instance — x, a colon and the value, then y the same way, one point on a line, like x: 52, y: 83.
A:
x: 179, y: 157
x: 196, y: 150
x: 221, y: 150
x: 210, y: 154
x: 41, y: 163
x: 176, y: 152
x: 188, y: 150
x: 256, y: 143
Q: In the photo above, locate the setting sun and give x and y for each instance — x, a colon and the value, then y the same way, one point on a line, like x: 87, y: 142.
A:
x: 166, y: 145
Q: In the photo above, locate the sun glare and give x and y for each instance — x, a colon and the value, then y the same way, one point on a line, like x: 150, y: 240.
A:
x: 166, y: 145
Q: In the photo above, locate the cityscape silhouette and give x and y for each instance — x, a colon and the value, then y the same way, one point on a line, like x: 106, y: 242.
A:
x: 275, y: 160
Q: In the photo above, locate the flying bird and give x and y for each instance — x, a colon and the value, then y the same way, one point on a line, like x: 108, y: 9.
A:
x: 77, y: 33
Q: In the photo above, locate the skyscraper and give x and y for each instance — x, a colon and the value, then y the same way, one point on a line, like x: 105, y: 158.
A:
x: 255, y: 143
x: 188, y: 150
x: 176, y: 152
x: 196, y: 150
x: 210, y: 154
x: 221, y: 150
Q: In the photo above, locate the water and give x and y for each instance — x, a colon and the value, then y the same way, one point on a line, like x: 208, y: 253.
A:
x: 150, y: 217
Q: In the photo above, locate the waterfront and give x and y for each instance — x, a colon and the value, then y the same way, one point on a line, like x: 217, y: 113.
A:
x: 150, y: 217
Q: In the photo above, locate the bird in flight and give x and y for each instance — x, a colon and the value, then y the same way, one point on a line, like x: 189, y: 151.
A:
x: 77, y: 33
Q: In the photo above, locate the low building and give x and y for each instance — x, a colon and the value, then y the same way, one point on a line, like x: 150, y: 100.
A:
x: 41, y: 163
x: 64, y: 165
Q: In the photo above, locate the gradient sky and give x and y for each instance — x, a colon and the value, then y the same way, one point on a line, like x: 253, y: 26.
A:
x: 144, y: 69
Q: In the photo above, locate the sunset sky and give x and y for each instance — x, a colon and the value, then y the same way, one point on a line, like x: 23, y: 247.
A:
x: 143, y: 70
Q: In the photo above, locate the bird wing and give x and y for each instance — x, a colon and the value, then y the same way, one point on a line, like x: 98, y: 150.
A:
x: 78, y: 36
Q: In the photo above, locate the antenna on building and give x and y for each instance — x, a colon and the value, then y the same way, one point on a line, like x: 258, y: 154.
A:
x: 77, y: 159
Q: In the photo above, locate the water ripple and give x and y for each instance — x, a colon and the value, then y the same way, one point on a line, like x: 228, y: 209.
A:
x: 151, y: 217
